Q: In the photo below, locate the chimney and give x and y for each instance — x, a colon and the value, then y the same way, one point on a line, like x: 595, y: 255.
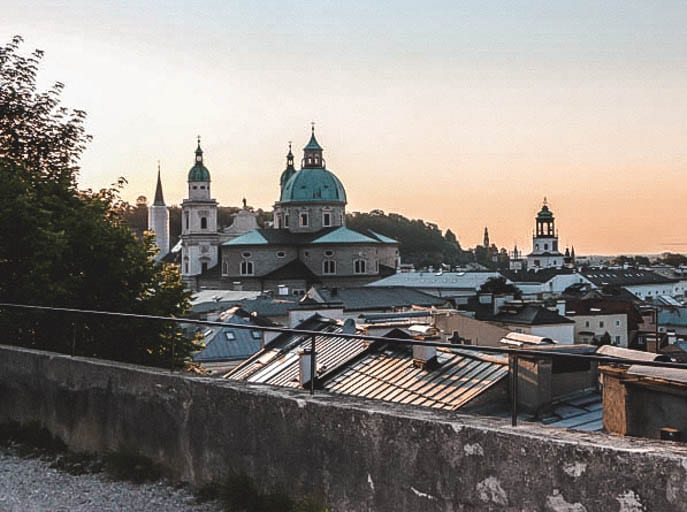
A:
x: 304, y: 366
x: 425, y: 356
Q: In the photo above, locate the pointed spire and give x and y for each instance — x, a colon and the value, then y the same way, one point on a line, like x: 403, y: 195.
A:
x: 289, y: 158
x: 313, y: 144
x: 312, y: 153
x: 199, y: 153
x: 159, y: 199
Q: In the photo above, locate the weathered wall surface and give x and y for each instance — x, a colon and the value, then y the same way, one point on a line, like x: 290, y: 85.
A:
x: 361, y: 455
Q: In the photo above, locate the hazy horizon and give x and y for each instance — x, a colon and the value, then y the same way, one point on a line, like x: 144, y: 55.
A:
x: 465, y: 115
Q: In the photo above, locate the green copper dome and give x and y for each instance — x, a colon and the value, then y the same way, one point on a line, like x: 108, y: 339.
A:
x: 313, y: 185
x: 198, y: 172
x: 545, y: 213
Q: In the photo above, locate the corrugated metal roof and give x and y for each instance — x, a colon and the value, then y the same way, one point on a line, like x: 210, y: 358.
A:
x: 459, y: 280
x: 230, y: 343
x: 391, y: 375
x: 278, y: 363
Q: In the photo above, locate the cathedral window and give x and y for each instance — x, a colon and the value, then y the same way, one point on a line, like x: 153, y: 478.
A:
x: 326, y: 219
x: 203, y: 223
x: 303, y: 220
x: 359, y: 266
x: 329, y: 267
x: 247, y: 268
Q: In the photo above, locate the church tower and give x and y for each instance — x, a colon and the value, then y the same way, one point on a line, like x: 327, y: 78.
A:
x: 158, y: 219
x: 545, y: 252
x: 199, y: 237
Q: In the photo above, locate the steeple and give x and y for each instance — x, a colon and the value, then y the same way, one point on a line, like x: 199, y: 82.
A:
x: 159, y: 199
x: 312, y: 153
x: 199, y: 153
x: 289, y: 171
x: 486, y: 237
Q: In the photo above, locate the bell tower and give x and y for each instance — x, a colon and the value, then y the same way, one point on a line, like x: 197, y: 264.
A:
x: 545, y: 252
x: 199, y: 236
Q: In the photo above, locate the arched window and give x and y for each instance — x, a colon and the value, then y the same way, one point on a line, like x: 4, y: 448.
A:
x: 247, y: 268
x: 203, y: 223
x: 225, y: 268
x: 359, y: 266
x: 329, y: 267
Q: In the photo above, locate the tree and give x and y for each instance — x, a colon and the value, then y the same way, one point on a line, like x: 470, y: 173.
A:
x: 70, y: 248
x: 499, y: 286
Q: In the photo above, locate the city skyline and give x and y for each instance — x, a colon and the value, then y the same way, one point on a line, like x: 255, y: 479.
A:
x: 468, y: 114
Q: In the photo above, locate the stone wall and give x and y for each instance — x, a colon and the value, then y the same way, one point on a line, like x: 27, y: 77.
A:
x: 361, y: 455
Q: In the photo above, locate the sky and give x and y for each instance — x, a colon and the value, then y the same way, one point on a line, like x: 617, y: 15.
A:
x: 466, y: 114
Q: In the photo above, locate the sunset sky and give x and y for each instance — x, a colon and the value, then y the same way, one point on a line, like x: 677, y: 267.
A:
x: 461, y: 113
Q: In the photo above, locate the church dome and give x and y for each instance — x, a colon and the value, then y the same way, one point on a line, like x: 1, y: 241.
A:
x: 313, y: 185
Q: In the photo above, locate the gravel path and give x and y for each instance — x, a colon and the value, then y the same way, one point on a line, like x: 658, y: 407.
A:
x: 29, y: 484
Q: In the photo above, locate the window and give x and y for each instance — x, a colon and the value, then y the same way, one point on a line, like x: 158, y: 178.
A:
x: 601, y: 323
x: 586, y: 324
x: 256, y: 335
x: 203, y: 223
x: 202, y: 187
x: 329, y: 254
x: 281, y: 254
x: 617, y: 323
x: 225, y: 268
x: 246, y: 254
x: 546, y: 247
x: 329, y: 267
x: 306, y: 254
x: 204, y: 267
x: 617, y: 339
x: 186, y: 267
x: 303, y: 218
x: 247, y: 268
x: 186, y: 218
x: 326, y: 219
x: 286, y: 220
x: 230, y: 335
x: 359, y: 266
x: 195, y: 187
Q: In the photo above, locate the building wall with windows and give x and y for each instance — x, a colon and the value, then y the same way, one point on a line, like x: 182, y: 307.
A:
x: 590, y: 327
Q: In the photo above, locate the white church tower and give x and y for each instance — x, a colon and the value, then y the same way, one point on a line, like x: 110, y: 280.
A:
x: 545, y: 253
x: 199, y: 237
x: 158, y: 219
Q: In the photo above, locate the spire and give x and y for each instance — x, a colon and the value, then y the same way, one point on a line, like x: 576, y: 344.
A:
x: 486, y: 237
x: 199, y: 153
x: 289, y: 171
x: 159, y: 199
x: 289, y: 158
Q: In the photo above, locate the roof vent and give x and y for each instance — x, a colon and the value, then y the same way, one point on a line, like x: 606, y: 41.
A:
x: 424, y: 356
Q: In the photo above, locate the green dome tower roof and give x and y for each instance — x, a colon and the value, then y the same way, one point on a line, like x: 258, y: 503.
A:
x: 199, y: 172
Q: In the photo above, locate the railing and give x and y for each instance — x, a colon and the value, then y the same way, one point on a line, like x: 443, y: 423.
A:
x: 513, y: 353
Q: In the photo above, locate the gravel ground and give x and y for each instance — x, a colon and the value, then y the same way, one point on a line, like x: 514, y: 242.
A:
x: 30, y: 484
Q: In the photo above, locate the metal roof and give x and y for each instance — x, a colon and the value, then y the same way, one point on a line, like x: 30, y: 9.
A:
x: 364, y: 297
x: 453, y: 280
x: 251, y: 238
x: 343, y: 235
x: 230, y: 343
x: 390, y: 374
x: 277, y: 364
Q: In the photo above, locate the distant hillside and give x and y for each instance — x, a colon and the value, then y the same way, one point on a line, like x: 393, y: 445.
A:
x: 420, y: 243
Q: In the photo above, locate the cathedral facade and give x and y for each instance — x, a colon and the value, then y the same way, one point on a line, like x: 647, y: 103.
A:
x: 306, y: 244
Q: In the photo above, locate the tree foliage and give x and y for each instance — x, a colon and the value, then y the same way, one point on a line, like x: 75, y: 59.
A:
x: 70, y: 248
x: 420, y: 243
